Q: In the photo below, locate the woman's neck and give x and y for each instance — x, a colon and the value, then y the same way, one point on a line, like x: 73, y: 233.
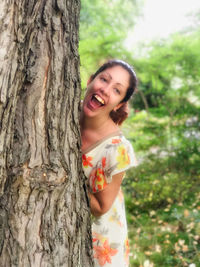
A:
x: 94, y: 129
x: 96, y: 124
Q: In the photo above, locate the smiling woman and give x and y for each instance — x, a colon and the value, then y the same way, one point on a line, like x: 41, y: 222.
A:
x: 106, y: 156
x: 105, y: 92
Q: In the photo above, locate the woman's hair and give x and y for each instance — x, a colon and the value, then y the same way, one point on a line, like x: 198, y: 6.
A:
x: 121, y: 114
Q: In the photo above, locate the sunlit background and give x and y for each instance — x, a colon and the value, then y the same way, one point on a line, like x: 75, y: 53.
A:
x: 160, y: 18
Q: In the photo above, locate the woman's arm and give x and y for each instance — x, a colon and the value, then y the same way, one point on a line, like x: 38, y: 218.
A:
x: 102, y: 201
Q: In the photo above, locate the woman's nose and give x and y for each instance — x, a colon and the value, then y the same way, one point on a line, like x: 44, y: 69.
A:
x: 105, y: 90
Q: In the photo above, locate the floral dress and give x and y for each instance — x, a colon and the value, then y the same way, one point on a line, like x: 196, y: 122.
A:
x: 110, y: 156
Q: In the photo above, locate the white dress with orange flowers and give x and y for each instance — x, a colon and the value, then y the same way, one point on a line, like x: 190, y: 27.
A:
x: 106, y: 158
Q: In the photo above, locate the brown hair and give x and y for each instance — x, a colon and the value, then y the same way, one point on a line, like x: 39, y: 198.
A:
x: 121, y: 114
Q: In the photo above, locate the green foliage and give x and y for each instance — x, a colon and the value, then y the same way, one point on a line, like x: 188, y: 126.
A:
x: 104, y: 26
x: 162, y: 193
x: 169, y: 73
x: 169, y: 158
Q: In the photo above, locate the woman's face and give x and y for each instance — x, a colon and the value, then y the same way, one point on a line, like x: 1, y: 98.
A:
x: 106, y: 91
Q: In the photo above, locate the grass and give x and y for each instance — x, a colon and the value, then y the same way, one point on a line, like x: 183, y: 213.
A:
x: 167, y: 237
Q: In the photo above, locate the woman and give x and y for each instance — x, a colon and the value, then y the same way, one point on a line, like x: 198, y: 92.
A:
x: 106, y: 157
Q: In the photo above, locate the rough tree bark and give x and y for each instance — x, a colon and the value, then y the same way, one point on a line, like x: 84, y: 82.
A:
x: 44, y: 217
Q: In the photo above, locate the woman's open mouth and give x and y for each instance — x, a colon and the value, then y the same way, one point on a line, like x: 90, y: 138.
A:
x: 96, y: 101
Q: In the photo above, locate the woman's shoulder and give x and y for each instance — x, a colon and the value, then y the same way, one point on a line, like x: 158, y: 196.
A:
x: 121, y: 148
x: 113, y: 141
x: 118, y: 153
x: 110, y: 145
x: 119, y: 139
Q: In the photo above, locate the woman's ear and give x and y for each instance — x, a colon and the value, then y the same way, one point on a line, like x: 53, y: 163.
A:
x: 119, y: 106
x: 122, y: 106
x: 89, y: 81
x: 120, y: 113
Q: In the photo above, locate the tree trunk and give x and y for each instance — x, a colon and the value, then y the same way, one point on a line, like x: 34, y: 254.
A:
x: 44, y: 215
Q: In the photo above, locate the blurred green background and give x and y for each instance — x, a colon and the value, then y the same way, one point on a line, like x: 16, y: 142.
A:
x: 163, y: 192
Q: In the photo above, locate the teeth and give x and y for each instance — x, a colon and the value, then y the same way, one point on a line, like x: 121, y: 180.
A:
x: 99, y: 99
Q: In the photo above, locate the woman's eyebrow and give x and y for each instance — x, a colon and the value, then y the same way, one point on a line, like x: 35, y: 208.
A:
x: 108, y: 74
x: 112, y: 78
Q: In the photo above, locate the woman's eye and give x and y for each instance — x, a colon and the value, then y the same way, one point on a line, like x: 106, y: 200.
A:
x: 117, y: 91
x: 103, y: 79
